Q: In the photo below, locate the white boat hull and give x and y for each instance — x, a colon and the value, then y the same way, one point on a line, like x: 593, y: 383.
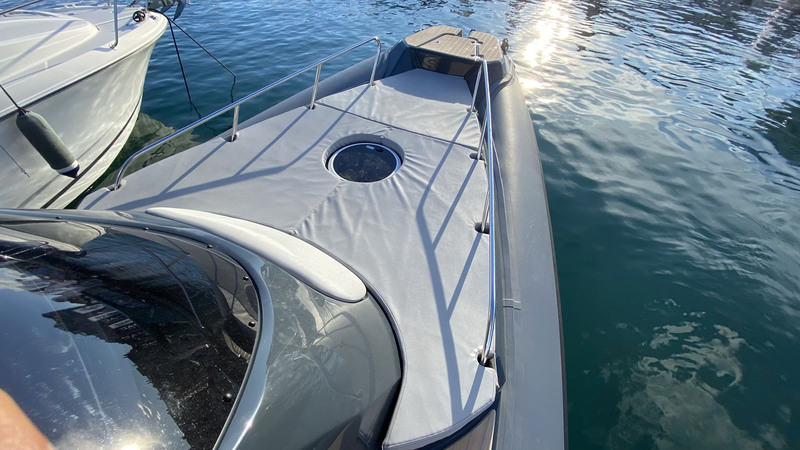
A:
x: 90, y: 100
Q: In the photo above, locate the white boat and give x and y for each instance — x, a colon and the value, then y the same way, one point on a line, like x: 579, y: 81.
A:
x: 83, y: 72
x: 382, y: 249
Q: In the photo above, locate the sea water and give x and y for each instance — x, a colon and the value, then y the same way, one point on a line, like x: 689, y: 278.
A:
x: 670, y: 139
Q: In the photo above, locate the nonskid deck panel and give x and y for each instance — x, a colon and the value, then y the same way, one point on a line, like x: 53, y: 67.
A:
x: 447, y: 40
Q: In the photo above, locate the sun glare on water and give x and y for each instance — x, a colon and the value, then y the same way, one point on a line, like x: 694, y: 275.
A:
x: 549, y: 25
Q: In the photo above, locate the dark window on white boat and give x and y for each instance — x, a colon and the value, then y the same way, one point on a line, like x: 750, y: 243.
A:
x: 364, y: 162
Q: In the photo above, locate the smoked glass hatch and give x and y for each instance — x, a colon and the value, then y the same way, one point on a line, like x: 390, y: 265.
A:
x: 364, y: 162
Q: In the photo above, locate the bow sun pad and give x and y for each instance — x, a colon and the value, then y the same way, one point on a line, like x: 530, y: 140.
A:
x: 410, y: 236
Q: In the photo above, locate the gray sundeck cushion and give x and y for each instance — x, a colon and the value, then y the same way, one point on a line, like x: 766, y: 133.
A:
x: 410, y: 236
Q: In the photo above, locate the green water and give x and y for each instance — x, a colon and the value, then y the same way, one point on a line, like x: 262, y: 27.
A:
x: 670, y: 138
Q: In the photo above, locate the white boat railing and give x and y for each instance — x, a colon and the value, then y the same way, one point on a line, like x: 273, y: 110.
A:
x: 235, y: 105
x: 487, y: 219
x: 116, y: 25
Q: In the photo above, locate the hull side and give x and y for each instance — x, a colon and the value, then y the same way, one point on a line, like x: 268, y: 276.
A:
x: 531, y: 405
x: 92, y: 117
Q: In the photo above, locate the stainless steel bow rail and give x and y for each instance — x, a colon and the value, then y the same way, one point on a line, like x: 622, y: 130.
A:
x: 235, y: 105
x: 487, y: 154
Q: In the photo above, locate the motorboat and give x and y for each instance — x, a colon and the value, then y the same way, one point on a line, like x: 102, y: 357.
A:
x: 367, y: 264
x: 72, y: 80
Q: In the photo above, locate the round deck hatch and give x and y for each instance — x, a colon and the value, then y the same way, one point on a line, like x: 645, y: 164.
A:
x: 364, y: 162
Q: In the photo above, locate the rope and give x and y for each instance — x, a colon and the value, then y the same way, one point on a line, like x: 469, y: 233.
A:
x: 172, y: 22
x: 204, y: 49
x: 22, y: 169
x: 178, y: 52
x: 180, y: 62
x: 11, y: 98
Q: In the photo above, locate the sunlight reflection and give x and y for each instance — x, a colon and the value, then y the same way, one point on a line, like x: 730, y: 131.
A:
x: 530, y: 84
x: 549, y: 25
x: 552, y: 25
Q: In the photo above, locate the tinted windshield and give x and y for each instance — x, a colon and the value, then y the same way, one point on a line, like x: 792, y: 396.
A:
x: 121, y: 336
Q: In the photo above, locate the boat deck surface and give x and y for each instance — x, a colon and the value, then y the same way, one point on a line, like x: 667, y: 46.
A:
x: 411, y: 236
